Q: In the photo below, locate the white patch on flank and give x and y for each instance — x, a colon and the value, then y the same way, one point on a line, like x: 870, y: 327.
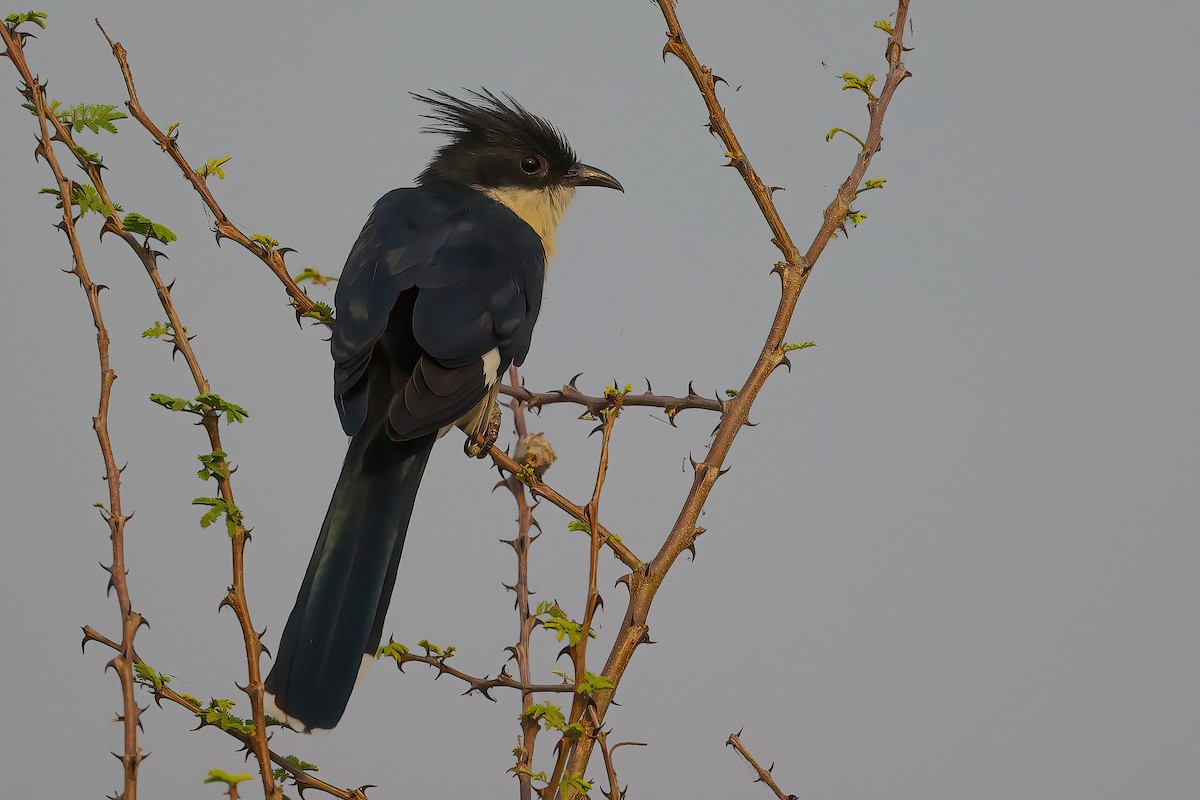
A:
x: 491, y: 367
x: 542, y: 209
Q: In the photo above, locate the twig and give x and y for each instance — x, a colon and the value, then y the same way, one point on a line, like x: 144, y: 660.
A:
x: 793, y: 271
x: 526, y: 621
x: 131, y: 621
x: 539, y: 488
x: 578, y: 651
x: 303, y: 779
x: 482, y: 685
x: 225, y: 229
x: 235, y: 597
x: 764, y: 775
x: 570, y: 394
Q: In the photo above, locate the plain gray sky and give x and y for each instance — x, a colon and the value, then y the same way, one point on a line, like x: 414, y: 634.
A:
x: 957, y: 558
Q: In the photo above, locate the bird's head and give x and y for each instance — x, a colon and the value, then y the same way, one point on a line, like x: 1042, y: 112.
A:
x: 516, y: 157
x: 496, y: 144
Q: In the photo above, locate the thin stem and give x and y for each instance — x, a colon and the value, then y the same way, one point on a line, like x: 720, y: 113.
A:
x: 764, y: 775
x: 224, y: 228
x: 525, y: 620
x: 793, y: 271
x: 578, y: 651
x: 595, y: 404
x: 235, y: 596
x: 538, y: 488
x: 131, y: 621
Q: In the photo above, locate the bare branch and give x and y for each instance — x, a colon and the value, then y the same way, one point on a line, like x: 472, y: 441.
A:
x: 224, y: 228
x: 793, y: 271
x: 570, y: 394
x: 764, y: 775
x: 235, y: 597
x: 538, y: 488
x: 131, y: 621
x: 483, y: 685
x: 525, y: 620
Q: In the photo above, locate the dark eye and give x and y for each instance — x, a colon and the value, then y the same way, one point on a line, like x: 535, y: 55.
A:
x: 530, y: 165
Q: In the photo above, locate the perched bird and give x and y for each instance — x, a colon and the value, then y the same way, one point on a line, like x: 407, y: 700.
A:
x: 438, y: 297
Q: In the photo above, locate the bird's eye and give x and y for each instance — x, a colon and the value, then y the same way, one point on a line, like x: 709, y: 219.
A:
x: 530, y: 165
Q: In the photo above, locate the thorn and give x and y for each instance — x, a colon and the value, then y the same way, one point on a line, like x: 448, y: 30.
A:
x: 774, y: 189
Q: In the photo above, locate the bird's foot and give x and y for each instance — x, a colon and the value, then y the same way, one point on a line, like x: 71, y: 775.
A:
x: 478, y: 447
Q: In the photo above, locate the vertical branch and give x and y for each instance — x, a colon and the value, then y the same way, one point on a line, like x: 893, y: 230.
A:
x: 124, y: 661
x: 235, y: 596
x: 583, y: 700
x: 525, y: 620
x: 793, y: 271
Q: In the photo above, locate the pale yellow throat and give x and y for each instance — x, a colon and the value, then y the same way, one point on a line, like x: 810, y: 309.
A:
x: 542, y: 209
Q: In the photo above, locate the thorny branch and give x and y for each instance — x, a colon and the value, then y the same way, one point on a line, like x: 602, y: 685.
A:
x: 235, y: 597
x: 526, y: 621
x: 131, y: 621
x: 793, y: 271
x: 578, y: 651
x: 539, y: 488
x: 764, y: 775
x: 569, y: 393
x: 483, y: 685
x: 273, y: 257
x: 615, y: 792
x: 304, y: 780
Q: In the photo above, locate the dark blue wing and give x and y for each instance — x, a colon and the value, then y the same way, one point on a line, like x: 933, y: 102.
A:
x: 439, y: 277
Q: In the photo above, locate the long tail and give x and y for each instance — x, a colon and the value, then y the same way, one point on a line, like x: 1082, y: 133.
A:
x: 338, y: 617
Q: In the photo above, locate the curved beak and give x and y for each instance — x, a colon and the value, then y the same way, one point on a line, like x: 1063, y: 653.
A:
x: 583, y: 175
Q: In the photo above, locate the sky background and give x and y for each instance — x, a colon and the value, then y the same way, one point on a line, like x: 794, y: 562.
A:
x: 958, y: 556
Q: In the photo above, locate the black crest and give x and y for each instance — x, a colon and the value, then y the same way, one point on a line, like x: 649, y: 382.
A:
x: 490, y: 135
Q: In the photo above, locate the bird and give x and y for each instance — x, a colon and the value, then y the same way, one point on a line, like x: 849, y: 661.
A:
x: 438, y: 297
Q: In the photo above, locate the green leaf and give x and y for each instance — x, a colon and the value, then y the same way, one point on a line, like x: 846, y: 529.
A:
x: 218, y: 713
x: 322, y: 312
x: 392, y: 650
x: 550, y: 716
x: 213, y: 463
x: 282, y: 775
x: 233, y: 412
x: 213, y: 167
x: 592, y: 683
x: 579, y: 525
x: 172, y: 403
x: 85, y: 196
x: 575, y: 782
x: 144, y: 226
x: 264, y: 241
x: 94, y: 117
x: 875, y: 183
x: 216, y: 507
x: 221, y: 776
x: 855, y: 218
x: 787, y: 348
x: 147, y: 676
x: 157, y: 330
x: 89, y: 157
x: 36, y: 17
x: 432, y: 649
x: 310, y: 274
x: 884, y: 25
